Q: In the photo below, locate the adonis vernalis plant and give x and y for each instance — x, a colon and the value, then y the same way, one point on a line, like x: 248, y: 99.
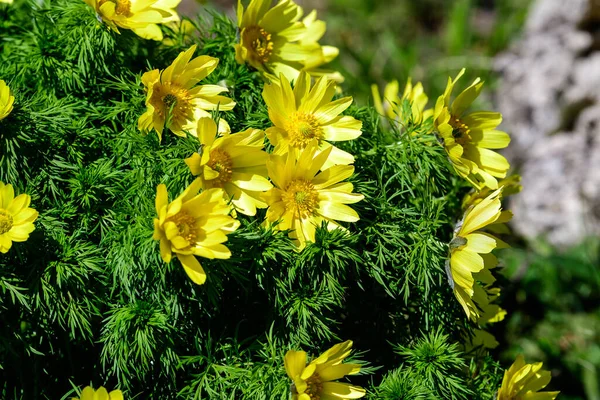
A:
x: 298, y: 217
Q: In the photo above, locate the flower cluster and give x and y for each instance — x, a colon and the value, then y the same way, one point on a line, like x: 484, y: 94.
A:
x: 295, y: 171
x: 469, y: 139
x: 302, y: 183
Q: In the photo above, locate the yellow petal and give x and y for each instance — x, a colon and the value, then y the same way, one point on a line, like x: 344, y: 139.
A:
x: 334, y: 372
x: 193, y: 268
x: 162, y: 197
x: 165, y: 250
x: 480, y: 242
x: 18, y: 204
x: 25, y: 216
x: 20, y: 233
x: 329, y: 111
x: 466, y: 98
x: 490, y: 139
x: 332, y: 176
x: 101, y: 394
x: 87, y: 393
x: 342, y: 128
x: 339, y: 390
x: 116, y: 395
x: 294, y: 363
x: 7, y: 194
x: 5, y: 243
x: 483, y: 120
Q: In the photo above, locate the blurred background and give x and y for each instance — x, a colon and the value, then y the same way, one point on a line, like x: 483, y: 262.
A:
x: 541, y: 63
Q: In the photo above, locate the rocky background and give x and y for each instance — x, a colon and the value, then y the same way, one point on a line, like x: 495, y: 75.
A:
x: 549, y: 94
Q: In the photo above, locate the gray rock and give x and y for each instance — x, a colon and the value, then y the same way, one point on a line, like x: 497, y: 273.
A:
x: 549, y: 95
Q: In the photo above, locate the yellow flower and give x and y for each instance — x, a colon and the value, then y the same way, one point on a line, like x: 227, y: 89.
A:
x: 235, y: 163
x: 193, y: 225
x: 101, y: 394
x: 303, y: 197
x: 469, y: 138
x: 16, y: 218
x: 391, y: 105
x: 307, y: 113
x: 275, y: 41
x: 524, y: 382
x: 141, y: 16
x: 315, y: 380
x: 171, y: 95
x: 6, y: 100
x: 470, y: 252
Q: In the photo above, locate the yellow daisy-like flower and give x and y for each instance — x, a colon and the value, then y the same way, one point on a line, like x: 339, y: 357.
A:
x: 470, y: 138
x: 101, y: 394
x: 16, y: 218
x: 303, y: 198
x: 171, y: 95
x: 314, y: 381
x: 307, y: 113
x: 6, y: 100
x: 524, y: 382
x: 235, y: 163
x: 141, y: 16
x: 470, y: 251
x: 193, y: 225
x: 274, y: 40
x: 390, y: 105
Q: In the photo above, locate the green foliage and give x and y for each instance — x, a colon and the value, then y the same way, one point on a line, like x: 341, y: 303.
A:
x: 87, y: 298
x: 554, y: 314
x: 381, y: 40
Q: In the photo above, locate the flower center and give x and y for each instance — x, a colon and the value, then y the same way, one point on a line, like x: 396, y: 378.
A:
x: 171, y: 97
x: 186, y: 225
x: 314, y: 387
x: 170, y: 100
x: 302, y: 128
x: 6, y: 221
x: 301, y: 195
x: 259, y: 42
x: 122, y: 7
x: 460, y: 131
x: 220, y: 161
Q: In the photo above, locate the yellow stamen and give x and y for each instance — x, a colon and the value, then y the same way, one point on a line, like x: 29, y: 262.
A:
x: 461, y: 131
x: 302, y: 128
x: 259, y: 42
x: 186, y: 224
x: 170, y: 96
x: 314, y: 387
x: 301, y: 196
x: 6, y: 221
x: 221, y: 162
